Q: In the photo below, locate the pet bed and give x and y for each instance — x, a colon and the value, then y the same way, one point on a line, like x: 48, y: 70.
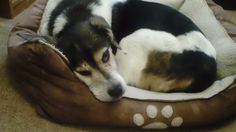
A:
x: 41, y: 72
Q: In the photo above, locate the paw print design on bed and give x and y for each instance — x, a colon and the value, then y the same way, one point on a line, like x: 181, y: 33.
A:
x: 152, y: 112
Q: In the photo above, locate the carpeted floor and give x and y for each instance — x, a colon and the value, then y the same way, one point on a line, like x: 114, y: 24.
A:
x: 17, y: 115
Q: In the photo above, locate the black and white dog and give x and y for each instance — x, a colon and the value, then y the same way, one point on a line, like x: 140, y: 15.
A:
x: 162, y: 50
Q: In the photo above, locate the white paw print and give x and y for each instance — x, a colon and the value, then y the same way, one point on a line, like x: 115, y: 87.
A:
x: 152, y: 112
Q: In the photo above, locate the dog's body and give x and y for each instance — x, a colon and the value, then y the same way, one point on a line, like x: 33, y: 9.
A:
x: 162, y: 50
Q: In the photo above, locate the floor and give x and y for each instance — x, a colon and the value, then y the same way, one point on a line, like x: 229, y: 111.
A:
x: 16, y: 114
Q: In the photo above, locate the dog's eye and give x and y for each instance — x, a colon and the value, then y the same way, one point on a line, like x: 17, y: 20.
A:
x: 105, y: 56
x: 85, y: 73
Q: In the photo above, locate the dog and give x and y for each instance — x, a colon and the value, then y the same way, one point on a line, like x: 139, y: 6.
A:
x: 114, y: 43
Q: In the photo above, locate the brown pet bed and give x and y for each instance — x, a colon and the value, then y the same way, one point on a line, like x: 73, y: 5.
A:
x: 41, y: 73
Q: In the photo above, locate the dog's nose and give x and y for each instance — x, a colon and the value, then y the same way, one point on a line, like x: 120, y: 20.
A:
x: 116, y: 91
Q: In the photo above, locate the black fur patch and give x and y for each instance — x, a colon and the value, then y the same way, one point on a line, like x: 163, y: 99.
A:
x: 197, y: 65
x: 189, y: 65
x: 134, y: 14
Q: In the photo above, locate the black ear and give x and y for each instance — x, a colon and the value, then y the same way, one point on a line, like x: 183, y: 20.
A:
x: 99, y: 22
x: 115, y: 46
x: 71, y: 50
x: 101, y: 25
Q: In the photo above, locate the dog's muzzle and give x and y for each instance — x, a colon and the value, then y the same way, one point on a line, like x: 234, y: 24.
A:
x: 117, y: 91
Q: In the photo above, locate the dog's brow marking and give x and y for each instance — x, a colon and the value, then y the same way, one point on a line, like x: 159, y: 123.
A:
x: 84, y: 65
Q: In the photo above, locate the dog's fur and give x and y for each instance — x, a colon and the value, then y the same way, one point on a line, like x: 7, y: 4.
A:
x: 162, y: 50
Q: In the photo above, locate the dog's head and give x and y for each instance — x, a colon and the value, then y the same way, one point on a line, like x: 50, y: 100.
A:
x: 89, y: 46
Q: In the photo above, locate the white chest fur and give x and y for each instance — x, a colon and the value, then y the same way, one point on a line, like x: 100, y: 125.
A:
x: 136, y: 48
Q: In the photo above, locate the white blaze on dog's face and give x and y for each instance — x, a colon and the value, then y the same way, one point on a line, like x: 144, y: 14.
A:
x: 104, y: 80
x: 93, y: 60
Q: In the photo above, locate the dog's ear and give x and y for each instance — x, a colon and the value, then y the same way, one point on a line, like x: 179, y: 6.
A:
x: 115, y: 44
x: 114, y: 47
x: 99, y: 23
x: 71, y: 50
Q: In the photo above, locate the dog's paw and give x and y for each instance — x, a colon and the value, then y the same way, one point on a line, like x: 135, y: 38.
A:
x: 153, y: 113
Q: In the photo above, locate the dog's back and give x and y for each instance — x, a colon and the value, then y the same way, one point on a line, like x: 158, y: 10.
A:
x: 164, y: 48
